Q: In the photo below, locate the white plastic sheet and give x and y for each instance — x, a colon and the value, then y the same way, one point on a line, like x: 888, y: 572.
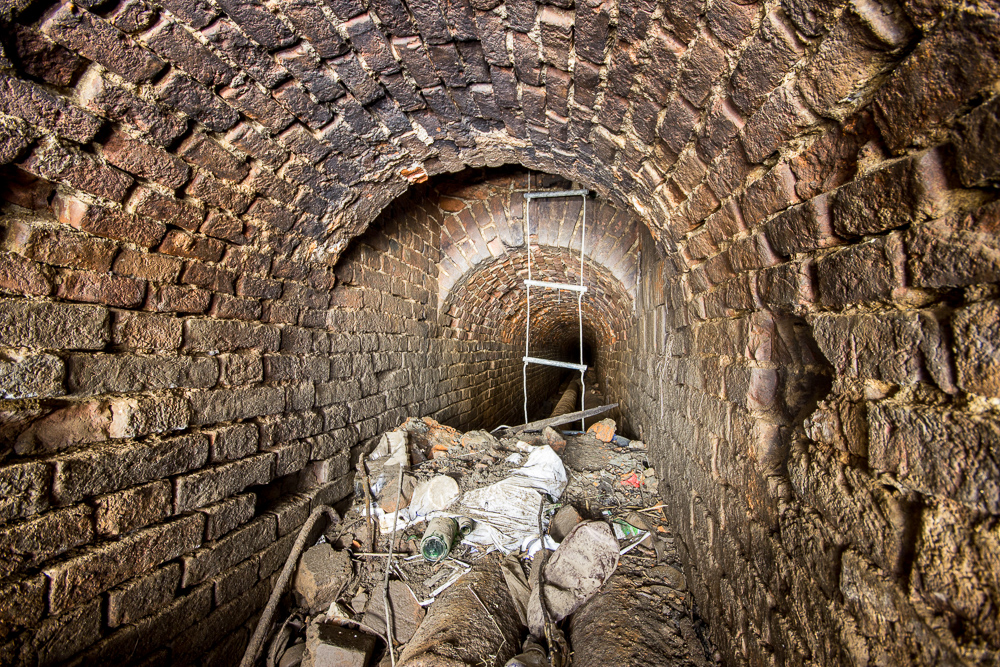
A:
x: 507, y: 512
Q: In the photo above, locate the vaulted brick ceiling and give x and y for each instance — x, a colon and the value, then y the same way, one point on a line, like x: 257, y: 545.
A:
x: 309, y: 116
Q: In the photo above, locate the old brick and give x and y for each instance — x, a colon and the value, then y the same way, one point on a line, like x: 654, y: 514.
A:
x: 313, y: 24
x: 782, y: 116
x: 948, y: 455
x: 125, y: 511
x: 220, y: 405
x: 209, y: 155
x: 144, y: 160
x: 153, y: 631
x: 222, y: 336
x: 880, y: 347
x: 117, y: 466
x: 59, y: 638
x: 705, y: 61
x: 143, y: 595
x: 180, y: 244
x: 769, y: 194
x: 34, y: 541
x: 22, y: 602
x: 975, y: 333
x: 78, y: 579
x: 955, y: 251
x: 146, y: 331
x: 57, y: 247
x: 100, y: 288
x: 233, y: 307
x: 259, y: 23
x: 52, y: 161
x: 108, y: 222
x: 124, y: 373
x: 802, y: 228
x: 46, y: 111
x: 176, y: 299
x: 22, y: 276
x: 977, y: 153
x: 147, y: 266
x: 198, y: 102
x: 240, y: 369
x: 856, y: 50
x: 41, y: 58
x: 24, y: 489
x: 101, y: 96
x: 233, y: 442
x: 230, y: 550
x: 176, y: 44
x: 94, y: 38
x: 149, y: 203
x: 41, y: 324
x: 960, y: 58
x: 224, y: 517
x: 218, y: 193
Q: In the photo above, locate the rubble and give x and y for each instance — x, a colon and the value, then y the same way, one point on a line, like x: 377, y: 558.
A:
x: 322, y: 574
x: 576, y: 520
x: 332, y: 645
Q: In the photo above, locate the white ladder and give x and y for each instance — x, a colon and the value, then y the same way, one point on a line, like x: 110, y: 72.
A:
x: 579, y: 289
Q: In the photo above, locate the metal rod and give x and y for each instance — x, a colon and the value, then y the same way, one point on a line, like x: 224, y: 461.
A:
x: 556, y: 193
x: 579, y: 311
x: 557, y: 364
x: 551, y: 285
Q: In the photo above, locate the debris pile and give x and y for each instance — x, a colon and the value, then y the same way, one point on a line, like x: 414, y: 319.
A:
x: 465, y: 548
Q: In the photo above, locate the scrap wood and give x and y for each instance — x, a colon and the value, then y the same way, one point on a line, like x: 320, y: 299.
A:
x: 561, y: 419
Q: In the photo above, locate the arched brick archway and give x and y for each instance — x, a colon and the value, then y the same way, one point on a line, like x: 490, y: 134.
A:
x: 220, y: 272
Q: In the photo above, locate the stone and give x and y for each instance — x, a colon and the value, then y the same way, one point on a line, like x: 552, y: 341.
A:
x: 331, y: 645
x: 387, y: 497
x: 406, y: 611
x: 603, y: 430
x: 563, y: 521
x: 321, y: 575
x: 553, y: 439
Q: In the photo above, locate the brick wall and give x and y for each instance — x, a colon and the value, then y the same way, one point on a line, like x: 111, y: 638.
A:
x: 816, y: 300
x: 817, y: 362
x: 171, y: 416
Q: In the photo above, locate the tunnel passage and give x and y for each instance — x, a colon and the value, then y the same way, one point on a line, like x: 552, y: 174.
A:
x: 198, y: 332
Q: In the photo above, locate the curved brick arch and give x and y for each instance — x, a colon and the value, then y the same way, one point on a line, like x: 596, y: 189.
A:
x: 491, y: 300
x: 218, y: 278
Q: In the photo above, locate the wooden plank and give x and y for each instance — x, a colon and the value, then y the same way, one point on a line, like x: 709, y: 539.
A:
x: 561, y: 419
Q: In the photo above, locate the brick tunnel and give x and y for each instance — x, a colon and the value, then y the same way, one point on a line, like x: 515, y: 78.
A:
x: 241, y: 239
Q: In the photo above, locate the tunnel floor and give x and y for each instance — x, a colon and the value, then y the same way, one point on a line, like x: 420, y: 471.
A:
x: 643, y: 614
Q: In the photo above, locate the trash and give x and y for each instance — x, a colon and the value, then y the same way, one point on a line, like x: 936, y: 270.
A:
x: 332, y: 645
x: 575, y: 572
x: 474, y: 622
x: 321, y: 576
x: 620, y: 441
x: 407, y: 614
x: 603, y: 430
x: 438, y: 538
x: 433, y: 495
x: 632, y: 480
x: 563, y: 522
x: 533, y: 545
x: 624, y: 530
x: 532, y: 655
x: 507, y: 511
x: 517, y: 585
x: 514, y: 458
